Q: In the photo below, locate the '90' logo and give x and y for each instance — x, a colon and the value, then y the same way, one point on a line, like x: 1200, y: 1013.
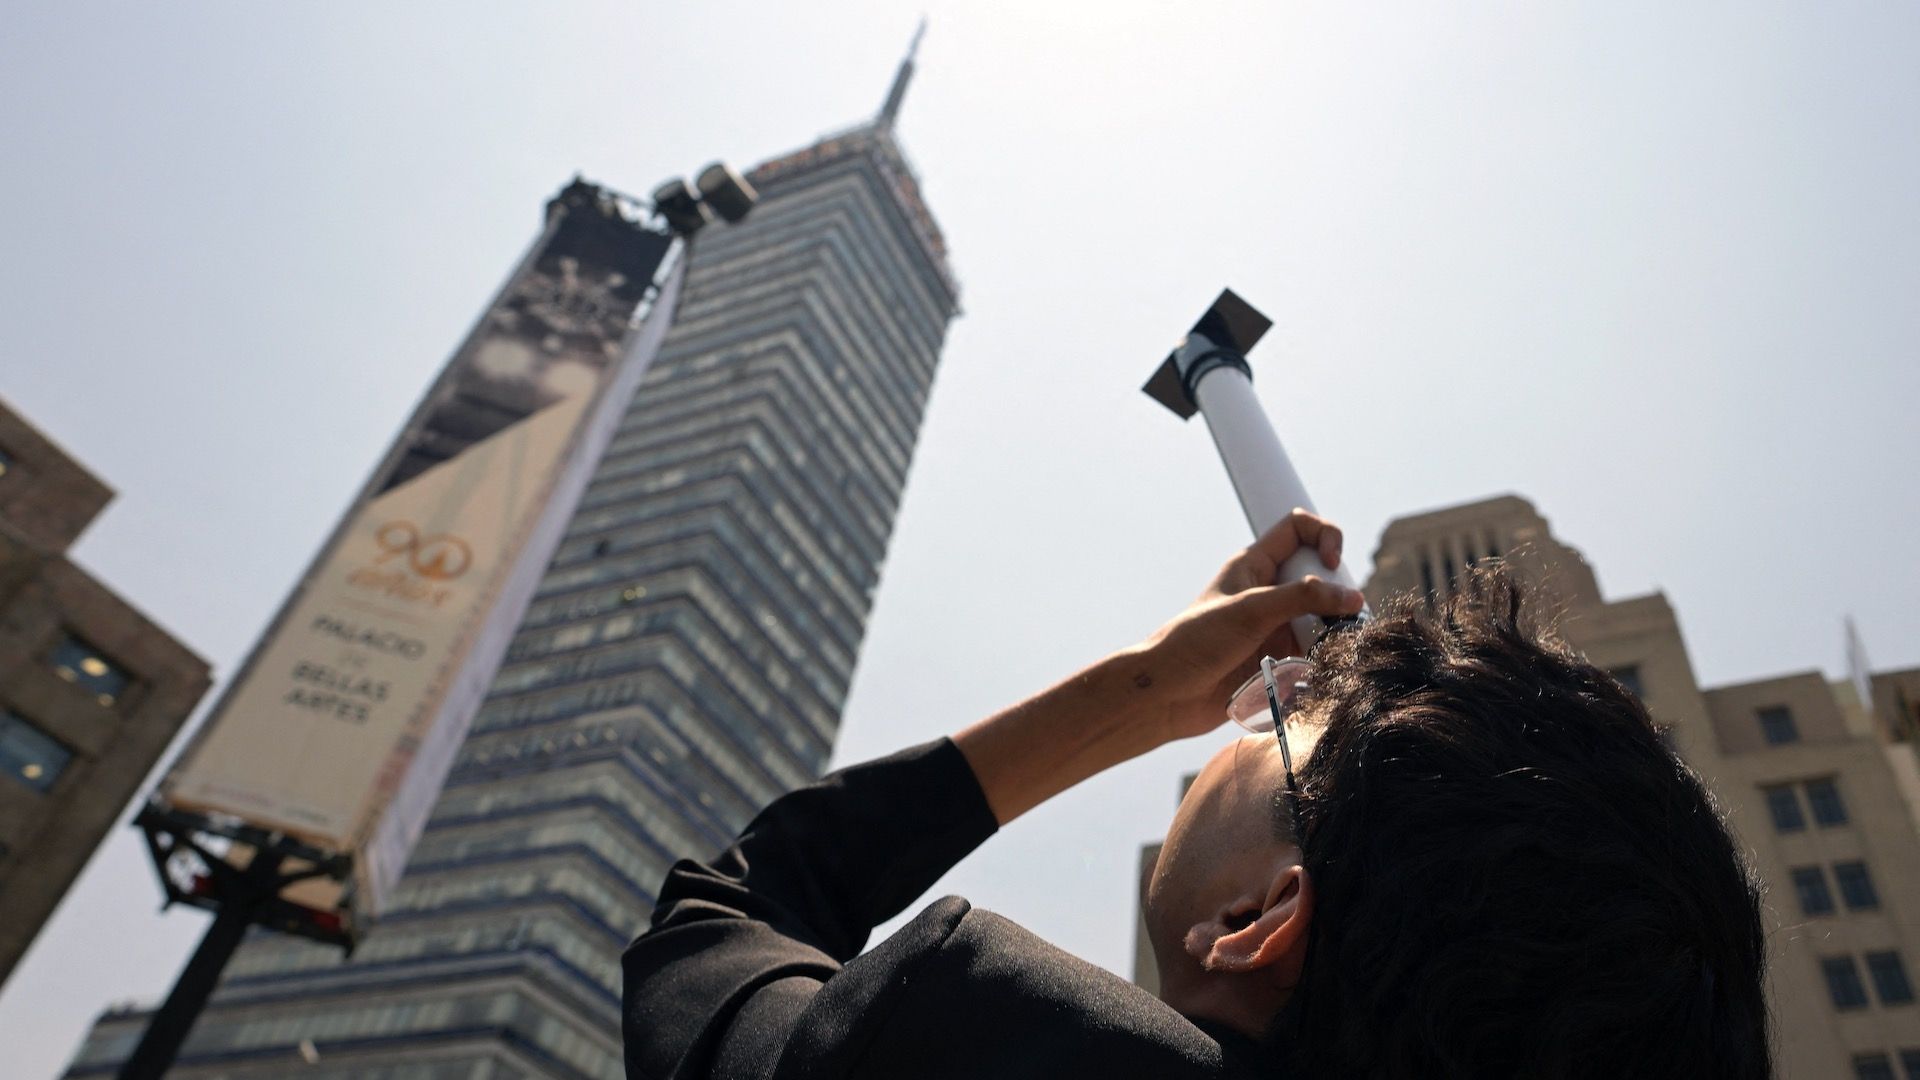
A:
x: 441, y: 557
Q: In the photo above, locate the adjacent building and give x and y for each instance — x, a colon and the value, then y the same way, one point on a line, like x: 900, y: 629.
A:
x: 91, y: 691
x: 1822, y: 787
x: 683, y: 662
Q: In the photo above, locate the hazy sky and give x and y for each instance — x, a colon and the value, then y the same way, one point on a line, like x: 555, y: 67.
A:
x: 1652, y: 266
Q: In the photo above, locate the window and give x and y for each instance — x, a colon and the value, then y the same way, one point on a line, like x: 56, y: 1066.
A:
x: 30, y: 755
x: 1843, y: 982
x: 1824, y: 797
x: 1889, y: 978
x: 1784, y: 805
x: 1811, y: 883
x: 1910, y: 1061
x: 1629, y: 677
x: 6, y: 461
x: 84, y: 666
x: 1776, y: 723
x: 1856, y: 888
x: 1872, y: 1067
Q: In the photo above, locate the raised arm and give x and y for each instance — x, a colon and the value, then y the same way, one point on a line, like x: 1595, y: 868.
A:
x: 1172, y: 686
x: 741, y: 946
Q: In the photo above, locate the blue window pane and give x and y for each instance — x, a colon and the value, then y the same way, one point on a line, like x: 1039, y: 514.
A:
x: 1910, y: 1062
x: 1811, y: 884
x: 1843, y: 982
x: 1889, y: 978
x: 1776, y: 723
x: 1824, y: 797
x: 30, y: 755
x: 1629, y: 677
x: 86, y: 667
x: 1856, y: 887
x: 1873, y: 1067
x: 1784, y: 805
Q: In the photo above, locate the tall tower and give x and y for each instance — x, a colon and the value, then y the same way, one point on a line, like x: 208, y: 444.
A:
x: 683, y: 662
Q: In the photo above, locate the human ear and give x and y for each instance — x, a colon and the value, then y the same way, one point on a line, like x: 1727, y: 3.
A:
x: 1268, y: 934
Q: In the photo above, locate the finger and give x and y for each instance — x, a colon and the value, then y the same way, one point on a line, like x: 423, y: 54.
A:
x: 1300, y: 528
x: 1261, y: 610
x: 1330, y: 542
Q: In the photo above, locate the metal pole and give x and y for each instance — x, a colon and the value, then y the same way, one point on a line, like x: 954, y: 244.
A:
x: 249, y: 891
x: 1208, y: 373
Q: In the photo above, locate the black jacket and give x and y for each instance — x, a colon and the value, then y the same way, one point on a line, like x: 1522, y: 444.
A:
x: 753, y: 966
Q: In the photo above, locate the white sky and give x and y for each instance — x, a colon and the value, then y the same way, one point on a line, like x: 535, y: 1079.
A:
x: 1652, y: 266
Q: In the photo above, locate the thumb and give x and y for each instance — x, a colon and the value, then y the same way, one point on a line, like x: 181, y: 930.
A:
x: 1262, y: 608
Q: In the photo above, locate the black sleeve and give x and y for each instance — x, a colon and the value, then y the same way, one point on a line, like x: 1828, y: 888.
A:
x: 739, y: 946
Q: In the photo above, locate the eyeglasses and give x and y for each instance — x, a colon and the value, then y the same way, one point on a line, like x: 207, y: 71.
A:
x: 1264, y: 703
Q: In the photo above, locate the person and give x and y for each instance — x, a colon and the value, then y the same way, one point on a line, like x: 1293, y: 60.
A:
x: 1461, y: 851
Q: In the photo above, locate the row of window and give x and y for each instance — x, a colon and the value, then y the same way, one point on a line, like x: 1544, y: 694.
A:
x: 88, y: 668
x: 764, y: 393
x: 348, y: 1020
x: 875, y: 258
x: 1856, y: 888
x: 732, y: 580
x: 638, y: 859
x: 746, y: 499
x: 29, y: 754
x: 730, y: 692
x: 1887, y: 970
x: 561, y: 934
x: 798, y: 334
x: 1822, y: 797
x: 785, y: 326
x: 820, y: 225
x: 1777, y: 726
x: 809, y: 306
x: 707, y: 539
x: 676, y: 784
x: 611, y: 780
x: 734, y: 751
x: 1879, y: 1066
x: 769, y: 414
x: 1437, y: 575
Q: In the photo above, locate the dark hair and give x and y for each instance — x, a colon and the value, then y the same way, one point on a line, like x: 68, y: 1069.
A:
x: 1513, y: 875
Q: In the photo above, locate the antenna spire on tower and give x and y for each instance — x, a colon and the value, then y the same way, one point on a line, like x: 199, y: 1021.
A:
x: 891, y: 110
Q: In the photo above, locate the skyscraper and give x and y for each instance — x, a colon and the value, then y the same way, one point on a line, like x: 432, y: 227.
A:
x: 683, y: 662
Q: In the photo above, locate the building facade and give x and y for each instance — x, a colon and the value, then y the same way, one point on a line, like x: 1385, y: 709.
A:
x: 91, y: 691
x: 683, y: 662
x: 1822, y: 788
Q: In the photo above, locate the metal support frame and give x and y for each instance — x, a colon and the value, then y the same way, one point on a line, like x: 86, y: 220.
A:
x: 243, y: 888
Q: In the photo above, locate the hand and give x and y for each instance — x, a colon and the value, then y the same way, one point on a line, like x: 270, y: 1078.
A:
x: 1194, y: 663
x: 1173, y: 685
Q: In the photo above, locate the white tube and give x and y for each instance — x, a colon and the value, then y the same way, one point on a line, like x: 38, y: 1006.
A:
x: 1263, y: 476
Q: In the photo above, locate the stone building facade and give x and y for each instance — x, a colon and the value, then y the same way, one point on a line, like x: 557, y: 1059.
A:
x: 91, y: 690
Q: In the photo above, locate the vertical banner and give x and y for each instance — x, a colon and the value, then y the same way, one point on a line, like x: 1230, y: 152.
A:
x: 342, y: 725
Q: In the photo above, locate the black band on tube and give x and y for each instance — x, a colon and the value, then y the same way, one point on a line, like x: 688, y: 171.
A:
x: 1208, y: 361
